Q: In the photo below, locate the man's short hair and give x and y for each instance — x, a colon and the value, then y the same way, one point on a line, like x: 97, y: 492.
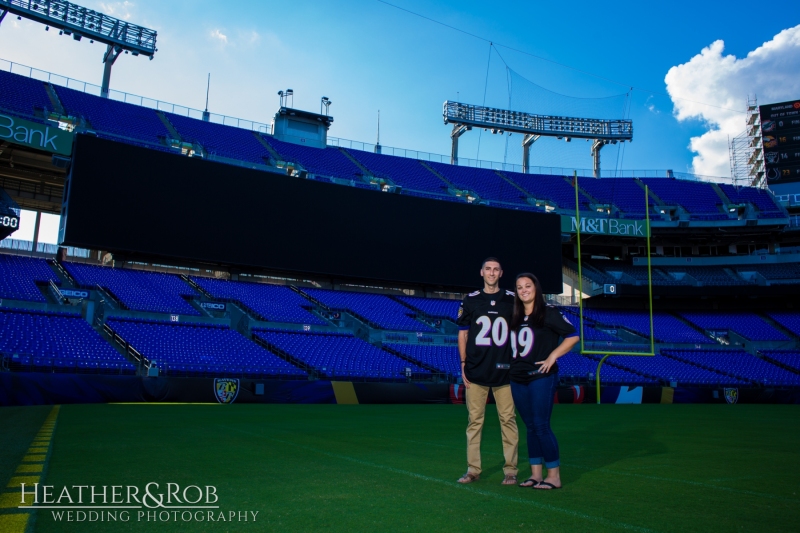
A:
x: 496, y: 260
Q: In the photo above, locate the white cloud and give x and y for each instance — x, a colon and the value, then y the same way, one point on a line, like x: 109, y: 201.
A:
x: 121, y: 10
x: 252, y: 37
x: 218, y: 35
x: 651, y: 106
x: 768, y: 72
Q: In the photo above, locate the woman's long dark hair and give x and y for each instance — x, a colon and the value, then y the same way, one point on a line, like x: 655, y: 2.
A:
x: 537, y: 317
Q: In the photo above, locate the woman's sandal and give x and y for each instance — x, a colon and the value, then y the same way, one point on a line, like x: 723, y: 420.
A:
x: 469, y: 477
x: 547, y: 484
x: 533, y: 483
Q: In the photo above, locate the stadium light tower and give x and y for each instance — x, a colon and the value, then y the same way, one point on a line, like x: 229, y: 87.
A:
x: 464, y: 117
x: 119, y: 36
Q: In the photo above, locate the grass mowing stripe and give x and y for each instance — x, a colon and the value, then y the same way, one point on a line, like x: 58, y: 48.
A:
x: 687, y: 482
x: 643, y: 476
x: 453, y: 484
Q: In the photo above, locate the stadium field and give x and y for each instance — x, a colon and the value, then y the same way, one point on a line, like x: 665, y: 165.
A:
x: 393, y: 468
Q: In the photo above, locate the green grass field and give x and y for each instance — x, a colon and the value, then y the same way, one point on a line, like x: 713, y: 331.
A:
x: 393, y: 468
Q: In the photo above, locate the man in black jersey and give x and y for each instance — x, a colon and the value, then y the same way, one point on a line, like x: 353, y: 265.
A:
x: 485, y: 350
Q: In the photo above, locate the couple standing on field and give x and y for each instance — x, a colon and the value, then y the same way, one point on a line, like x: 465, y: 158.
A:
x: 509, y: 342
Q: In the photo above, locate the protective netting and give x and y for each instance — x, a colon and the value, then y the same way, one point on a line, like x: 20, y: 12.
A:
x: 548, y: 152
x: 527, y: 96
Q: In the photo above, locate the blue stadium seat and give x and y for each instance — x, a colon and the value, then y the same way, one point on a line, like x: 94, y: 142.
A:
x: 738, y: 363
x: 433, y: 307
x: 377, y: 309
x: 218, y: 139
x: 486, y: 183
x: 748, y: 325
x: 274, y: 303
x: 117, y: 118
x: 19, y: 95
x: 763, y: 200
x: 201, y: 349
x: 340, y: 356
x: 694, y: 196
x: 624, y: 193
x: 136, y: 289
x: 56, y: 342
x: 445, y: 359
x: 408, y: 173
x: 579, y: 367
x: 666, y: 327
x: 554, y: 189
x: 19, y: 275
x: 670, y: 370
x: 328, y: 161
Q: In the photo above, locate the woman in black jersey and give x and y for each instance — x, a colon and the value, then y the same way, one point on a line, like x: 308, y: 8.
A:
x: 540, y: 335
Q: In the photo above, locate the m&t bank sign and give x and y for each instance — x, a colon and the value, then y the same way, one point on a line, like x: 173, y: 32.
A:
x: 604, y: 226
x: 27, y: 133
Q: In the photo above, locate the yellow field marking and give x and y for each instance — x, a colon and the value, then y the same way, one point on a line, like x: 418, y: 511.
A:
x: 344, y: 392
x: 667, y: 394
x: 164, y: 403
x: 13, y: 523
x: 32, y: 468
x: 12, y: 500
x: 13, y: 519
x: 17, y: 481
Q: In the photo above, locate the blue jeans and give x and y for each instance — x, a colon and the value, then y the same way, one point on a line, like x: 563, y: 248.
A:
x: 534, y: 401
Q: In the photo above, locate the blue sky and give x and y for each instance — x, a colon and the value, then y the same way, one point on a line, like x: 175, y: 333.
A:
x: 366, y: 55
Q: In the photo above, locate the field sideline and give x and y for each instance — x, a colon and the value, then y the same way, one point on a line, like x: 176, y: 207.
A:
x: 393, y: 467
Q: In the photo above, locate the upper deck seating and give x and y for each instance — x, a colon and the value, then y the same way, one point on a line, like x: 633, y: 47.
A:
x: 137, y: 289
x: 117, y: 118
x: 748, y: 325
x: 19, y: 275
x: 218, y: 139
x: 408, y: 173
x: 764, y: 201
x: 434, y: 307
x: 328, y: 161
x: 443, y: 358
x: 695, y: 197
x: 554, y: 189
x: 484, y: 182
x: 625, y: 193
x: 274, y: 303
x: 375, y: 308
x: 667, y: 328
x: 20, y: 95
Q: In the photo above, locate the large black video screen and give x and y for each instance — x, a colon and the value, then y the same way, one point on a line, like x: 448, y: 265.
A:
x: 144, y: 203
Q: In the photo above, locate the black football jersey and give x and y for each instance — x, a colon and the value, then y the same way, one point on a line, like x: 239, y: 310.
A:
x: 531, y: 344
x: 487, y: 318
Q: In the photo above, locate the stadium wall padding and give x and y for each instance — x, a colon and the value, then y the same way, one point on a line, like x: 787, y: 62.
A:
x: 22, y: 388
x: 148, y: 204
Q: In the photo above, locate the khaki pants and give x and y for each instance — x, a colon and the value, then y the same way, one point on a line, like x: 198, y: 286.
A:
x: 476, y: 396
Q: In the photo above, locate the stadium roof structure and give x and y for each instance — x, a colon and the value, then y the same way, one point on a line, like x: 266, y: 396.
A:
x: 120, y: 36
x: 602, y: 131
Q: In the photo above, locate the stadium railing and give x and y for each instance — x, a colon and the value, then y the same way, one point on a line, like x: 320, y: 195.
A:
x: 121, y: 96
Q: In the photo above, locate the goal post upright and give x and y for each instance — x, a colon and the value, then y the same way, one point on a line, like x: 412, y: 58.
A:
x: 607, y: 353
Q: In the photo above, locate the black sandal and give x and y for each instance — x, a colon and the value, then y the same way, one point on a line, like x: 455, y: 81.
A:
x: 535, y: 482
